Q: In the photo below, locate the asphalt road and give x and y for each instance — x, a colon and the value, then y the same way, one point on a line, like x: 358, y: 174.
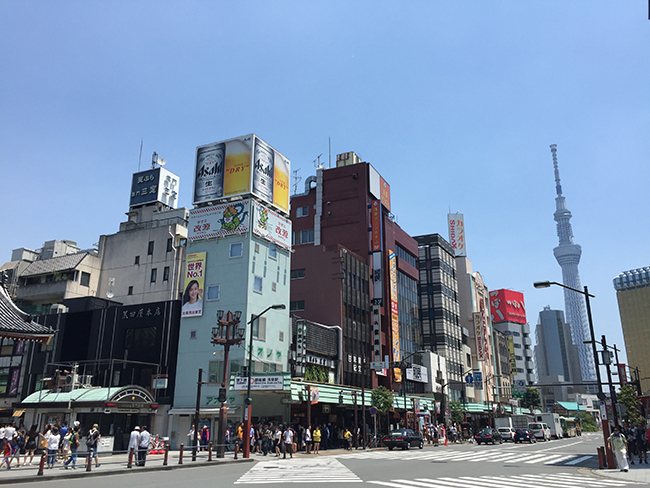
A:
x: 555, y: 464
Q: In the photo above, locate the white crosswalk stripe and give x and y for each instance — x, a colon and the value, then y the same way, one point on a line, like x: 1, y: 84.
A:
x: 494, y: 456
x: 557, y: 480
x: 299, y: 470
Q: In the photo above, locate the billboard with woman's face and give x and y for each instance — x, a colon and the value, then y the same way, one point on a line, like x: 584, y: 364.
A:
x: 194, y: 280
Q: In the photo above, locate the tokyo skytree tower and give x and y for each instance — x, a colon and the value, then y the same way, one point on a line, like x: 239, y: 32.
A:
x: 567, y: 255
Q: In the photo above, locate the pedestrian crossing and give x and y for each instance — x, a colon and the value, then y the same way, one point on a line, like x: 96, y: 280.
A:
x: 557, y: 480
x: 299, y: 470
x: 489, y: 456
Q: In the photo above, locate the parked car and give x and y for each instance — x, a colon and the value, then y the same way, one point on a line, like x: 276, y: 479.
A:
x: 508, y: 433
x: 540, y: 430
x: 524, y: 435
x: 404, y: 438
x: 488, y: 435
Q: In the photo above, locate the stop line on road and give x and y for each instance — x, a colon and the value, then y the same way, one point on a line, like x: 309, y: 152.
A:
x: 557, y: 459
x: 558, y: 480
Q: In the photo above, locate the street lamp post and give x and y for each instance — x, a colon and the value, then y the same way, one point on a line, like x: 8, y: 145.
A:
x: 601, y: 395
x: 249, y: 372
x: 403, y: 365
x: 226, y: 334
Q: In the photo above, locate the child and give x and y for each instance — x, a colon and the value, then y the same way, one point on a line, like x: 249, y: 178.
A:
x: 6, y: 453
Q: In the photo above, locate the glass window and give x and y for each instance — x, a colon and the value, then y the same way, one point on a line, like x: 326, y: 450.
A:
x: 236, y: 250
x: 85, y: 279
x: 130, y: 292
x: 150, y: 249
x: 213, y: 293
x: 257, y: 284
x: 259, y: 328
x: 137, y: 260
x: 273, y: 251
x: 297, y: 305
x: 302, y: 211
x: 192, y: 335
x: 166, y: 273
x: 169, y: 245
x: 302, y: 237
x: 297, y: 274
x: 154, y: 275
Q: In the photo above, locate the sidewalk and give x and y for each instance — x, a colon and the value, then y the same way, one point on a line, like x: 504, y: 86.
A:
x: 110, y: 465
x: 638, y: 473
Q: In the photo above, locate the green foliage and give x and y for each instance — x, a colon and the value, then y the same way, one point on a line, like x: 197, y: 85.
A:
x: 627, y: 396
x: 587, y: 421
x: 382, y: 399
x: 531, y: 398
x: 317, y: 373
x: 457, y: 414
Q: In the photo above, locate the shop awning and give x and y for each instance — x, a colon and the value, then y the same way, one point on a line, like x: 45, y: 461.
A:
x: 19, y: 412
x: 202, y: 411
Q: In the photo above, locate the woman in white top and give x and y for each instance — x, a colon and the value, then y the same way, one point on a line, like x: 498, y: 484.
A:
x: 53, y: 438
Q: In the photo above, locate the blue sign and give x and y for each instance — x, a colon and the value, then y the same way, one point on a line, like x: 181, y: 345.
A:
x: 478, y: 377
x: 469, y: 379
x: 144, y: 188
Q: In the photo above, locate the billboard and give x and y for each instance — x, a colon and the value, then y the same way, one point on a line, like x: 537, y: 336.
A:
x: 457, y: 233
x: 375, y: 223
x: 271, y: 226
x: 511, y: 355
x: 193, y: 285
x: 385, y: 193
x: 154, y: 185
x: 507, y: 306
x: 221, y: 220
x: 478, y: 335
x: 394, y: 316
x: 239, y: 167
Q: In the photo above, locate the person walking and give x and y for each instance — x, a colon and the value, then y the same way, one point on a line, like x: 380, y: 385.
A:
x: 204, y: 437
x: 31, y: 439
x: 308, y: 439
x: 143, y: 445
x: 134, y: 442
x: 92, y: 443
x: 53, y: 440
x: 639, y: 437
x: 618, y: 444
x: 277, y: 441
x: 239, y: 439
x: 74, y: 446
x: 288, y: 442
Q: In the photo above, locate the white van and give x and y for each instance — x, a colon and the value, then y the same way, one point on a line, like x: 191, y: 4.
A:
x: 540, y: 430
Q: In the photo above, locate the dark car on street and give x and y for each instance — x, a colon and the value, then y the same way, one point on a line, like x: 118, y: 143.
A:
x: 404, y: 438
x: 524, y: 435
x: 488, y: 436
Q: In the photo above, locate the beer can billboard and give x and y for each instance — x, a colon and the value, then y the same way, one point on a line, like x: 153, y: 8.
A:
x: 239, y: 167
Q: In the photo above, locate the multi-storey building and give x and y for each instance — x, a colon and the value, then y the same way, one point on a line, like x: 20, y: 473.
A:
x: 442, y: 331
x: 633, y: 295
x: 353, y: 266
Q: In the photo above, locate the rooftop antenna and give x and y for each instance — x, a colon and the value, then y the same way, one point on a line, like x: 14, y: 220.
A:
x: 317, y: 162
x: 140, y: 160
x: 329, y: 164
x: 296, y: 179
x: 155, y: 160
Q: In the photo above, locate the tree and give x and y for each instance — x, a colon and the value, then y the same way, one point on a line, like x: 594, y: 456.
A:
x: 531, y: 398
x: 587, y: 422
x: 382, y: 400
x: 457, y: 414
x: 627, y: 397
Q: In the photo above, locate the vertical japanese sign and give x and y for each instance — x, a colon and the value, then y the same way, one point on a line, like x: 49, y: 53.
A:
x: 194, y: 281
x: 375, y: 224
x: 478, y: 335
x: 457, y: 233
x: 511, y: 355
x: 394, y: 316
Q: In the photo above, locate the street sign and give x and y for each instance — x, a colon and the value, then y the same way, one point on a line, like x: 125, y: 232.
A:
x: 373, y: 411
x: 478, y: 377
x: 379, y: 364
x: 469, y: 379
x: 448, y: 412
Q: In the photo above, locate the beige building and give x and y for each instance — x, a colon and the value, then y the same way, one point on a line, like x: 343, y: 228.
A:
x: 633, y: 294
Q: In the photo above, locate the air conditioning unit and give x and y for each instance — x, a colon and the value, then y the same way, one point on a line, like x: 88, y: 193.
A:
x: 84, y: 380
x: 70, y: 381
x: 58, y: 308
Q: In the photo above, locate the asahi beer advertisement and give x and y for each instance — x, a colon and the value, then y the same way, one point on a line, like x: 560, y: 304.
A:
x: 194, y: 280
x: 241, y: 166
x: 271, y: 226
x: 221, y: 220
x: 457, y: 233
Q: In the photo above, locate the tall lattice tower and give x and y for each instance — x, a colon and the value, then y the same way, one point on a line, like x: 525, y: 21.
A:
x: 568, y: 257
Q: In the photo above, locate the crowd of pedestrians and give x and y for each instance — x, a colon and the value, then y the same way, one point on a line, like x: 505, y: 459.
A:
x: 628, y: 442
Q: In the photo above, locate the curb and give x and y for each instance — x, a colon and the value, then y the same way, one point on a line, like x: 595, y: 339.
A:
x: 122, y: 470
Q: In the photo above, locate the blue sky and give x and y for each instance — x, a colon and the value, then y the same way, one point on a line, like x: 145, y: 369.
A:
x: 454, y: 103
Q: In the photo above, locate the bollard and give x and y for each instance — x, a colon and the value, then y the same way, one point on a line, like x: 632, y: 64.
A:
x: 130, y: 463
x: 89, y: 461
x: 41, y: 465
x: 210, y: 451
x: 166, y: 454
x: 180, y: 455
x: 602, y: 461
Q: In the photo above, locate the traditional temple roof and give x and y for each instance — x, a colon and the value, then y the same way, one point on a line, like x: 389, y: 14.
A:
x: 19, y: 326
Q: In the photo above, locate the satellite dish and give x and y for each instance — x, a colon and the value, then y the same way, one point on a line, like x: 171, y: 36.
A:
x: 110, y: 294
x: 161, y: 162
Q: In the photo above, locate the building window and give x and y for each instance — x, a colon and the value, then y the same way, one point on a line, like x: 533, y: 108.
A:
x: 213, y: 293
x: 281, y: 336
x: 273, y: 251
x: 297, y: 306
x: 137, y: 260
x: 85, y: 279
x: 130, y: 292
x: 274, y: 286
x: 215, y: 371
x: 170, y: 245
x: 192, y: 335
x: 236, y: 250
x: 257, y: 247
x: 140, y: 338
x: 297, y: 274
x: 166, y: 273
x: 154, y: 275
x: 259, y: 328
x: 150, y: 250
x: 257, y: 284
x: 302, y: 211
x: 302, y: 237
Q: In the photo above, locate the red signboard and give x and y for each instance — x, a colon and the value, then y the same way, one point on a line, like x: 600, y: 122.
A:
x: 376, y: 225
x: 385, y: 193
x: 507, y: 306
